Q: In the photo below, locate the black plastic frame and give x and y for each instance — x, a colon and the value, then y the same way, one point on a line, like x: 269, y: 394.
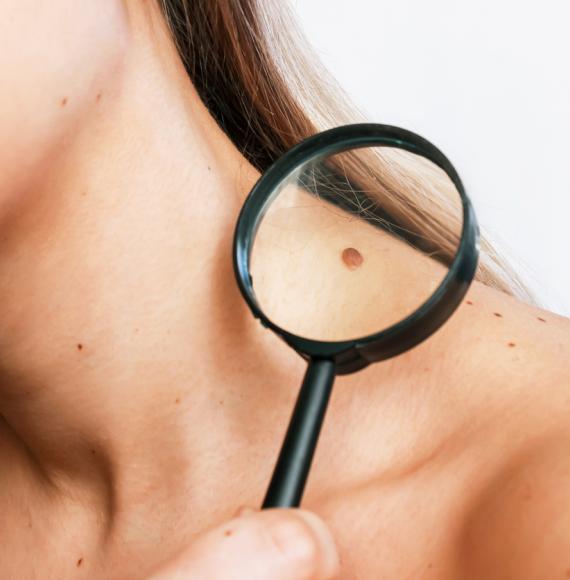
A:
x: 352, y: 355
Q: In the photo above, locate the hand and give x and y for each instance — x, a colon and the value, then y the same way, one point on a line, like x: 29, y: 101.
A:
x: 275, y: 544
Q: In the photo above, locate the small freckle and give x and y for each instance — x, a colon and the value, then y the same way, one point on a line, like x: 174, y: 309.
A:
x: 92, y: 451
x: 209, y: 168
x: 228, y: 533
x: 469, y: 302
x: 79, y: 562
x: 498, y: 314
x: 352, y: 258
x: 541, y: 319
x: 512, y: 344
x: 64, y: 101
x: 177, y: 401
x: 98, y: 97
x: 79, y: 347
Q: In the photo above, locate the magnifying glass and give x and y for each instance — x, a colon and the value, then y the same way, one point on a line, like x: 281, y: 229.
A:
x: 351, y: 266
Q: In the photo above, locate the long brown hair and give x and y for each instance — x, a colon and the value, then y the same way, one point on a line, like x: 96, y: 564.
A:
x: 262, y: 82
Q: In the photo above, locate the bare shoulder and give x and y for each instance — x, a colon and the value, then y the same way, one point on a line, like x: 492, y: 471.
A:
x: 520, y: 526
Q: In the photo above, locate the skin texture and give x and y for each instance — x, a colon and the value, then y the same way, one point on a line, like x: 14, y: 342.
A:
x: 140, y: 401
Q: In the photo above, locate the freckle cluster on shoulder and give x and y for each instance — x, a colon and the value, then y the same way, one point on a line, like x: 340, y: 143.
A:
x: 510, y: 343
x: 500, y: 315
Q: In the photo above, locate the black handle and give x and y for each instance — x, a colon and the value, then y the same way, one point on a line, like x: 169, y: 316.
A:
x: 292, y: 468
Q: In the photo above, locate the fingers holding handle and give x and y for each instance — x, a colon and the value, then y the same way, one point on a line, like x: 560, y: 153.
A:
x: 276, y: 544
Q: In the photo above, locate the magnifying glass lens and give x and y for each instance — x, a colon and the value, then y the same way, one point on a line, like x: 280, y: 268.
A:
x: 342, y: 252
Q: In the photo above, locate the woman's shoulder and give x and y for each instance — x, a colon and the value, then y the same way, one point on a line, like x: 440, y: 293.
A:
x: 459, y: 446
x: 518, y: 524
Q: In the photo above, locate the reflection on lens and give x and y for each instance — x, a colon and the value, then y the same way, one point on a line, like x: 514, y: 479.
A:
x: 343, y: 252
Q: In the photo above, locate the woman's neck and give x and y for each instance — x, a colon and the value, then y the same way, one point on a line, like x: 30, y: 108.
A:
x: 122, y: 329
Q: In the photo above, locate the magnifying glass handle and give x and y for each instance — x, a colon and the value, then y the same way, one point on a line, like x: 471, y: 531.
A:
x: 292, y: 468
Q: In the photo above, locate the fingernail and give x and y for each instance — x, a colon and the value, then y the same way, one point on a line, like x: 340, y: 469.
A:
x: 311, y: 543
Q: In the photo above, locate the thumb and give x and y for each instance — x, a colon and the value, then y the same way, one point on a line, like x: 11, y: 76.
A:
x: 276, y: 544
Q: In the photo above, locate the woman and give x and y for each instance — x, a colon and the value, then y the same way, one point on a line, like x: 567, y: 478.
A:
x: 141, y: 405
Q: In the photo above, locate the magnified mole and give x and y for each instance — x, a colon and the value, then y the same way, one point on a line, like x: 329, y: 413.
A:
x: 352, y: 258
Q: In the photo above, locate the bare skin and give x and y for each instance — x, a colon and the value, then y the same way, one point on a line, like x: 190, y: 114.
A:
x: 141, y: 404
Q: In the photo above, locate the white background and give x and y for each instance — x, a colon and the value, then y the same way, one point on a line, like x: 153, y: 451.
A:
x: 488, y: 82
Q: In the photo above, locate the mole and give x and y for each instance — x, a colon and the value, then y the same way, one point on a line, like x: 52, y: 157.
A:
x: 498, y: 314
x: 98, y: 97
x: 79, y: 562
x: 177, y: 401
x: 469, y: 302
x: 228, y: 533
x: 541, y: 319
x: 511, y: 344
x: 80, y: 347
x: 64, y: 101
x: 352, y: 258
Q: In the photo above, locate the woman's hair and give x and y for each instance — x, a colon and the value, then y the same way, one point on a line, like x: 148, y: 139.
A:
x: 262, y: 82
